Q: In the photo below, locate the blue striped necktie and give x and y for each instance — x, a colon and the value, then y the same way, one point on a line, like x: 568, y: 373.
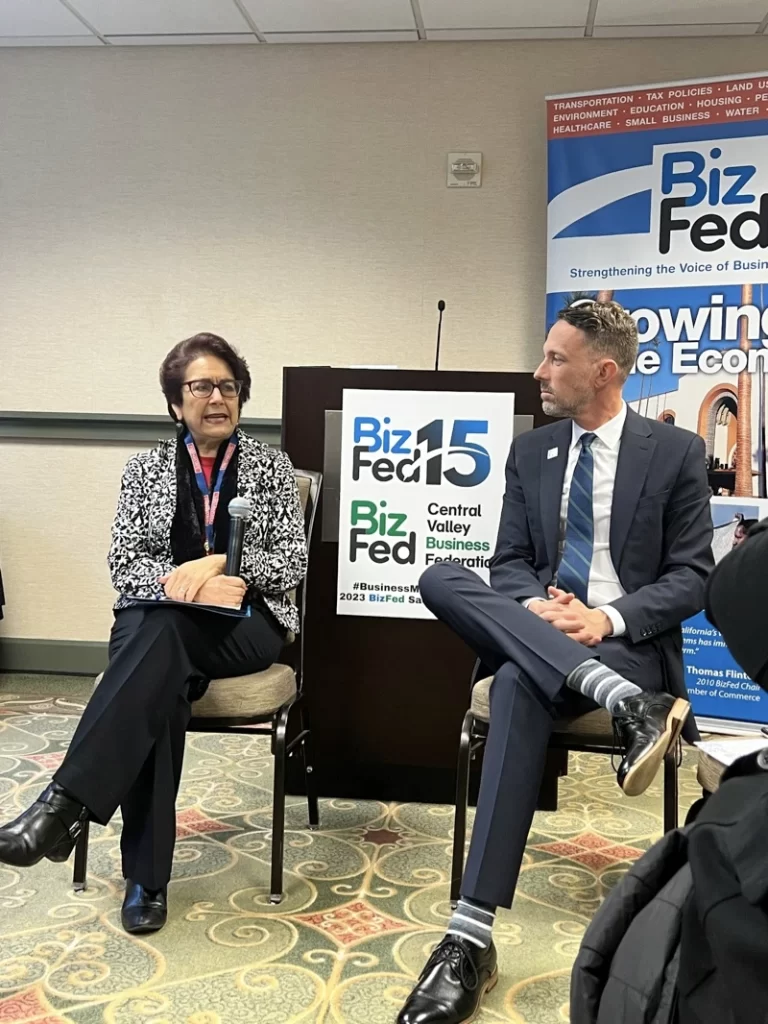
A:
x: 576, y: 561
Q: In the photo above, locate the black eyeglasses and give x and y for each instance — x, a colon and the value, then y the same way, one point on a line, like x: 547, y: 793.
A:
x: 204, y: 388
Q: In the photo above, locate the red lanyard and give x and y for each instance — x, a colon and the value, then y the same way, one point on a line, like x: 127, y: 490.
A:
x: 210, y: 499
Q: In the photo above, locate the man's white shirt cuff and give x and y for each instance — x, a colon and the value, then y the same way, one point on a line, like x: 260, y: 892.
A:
x: 617, y: 619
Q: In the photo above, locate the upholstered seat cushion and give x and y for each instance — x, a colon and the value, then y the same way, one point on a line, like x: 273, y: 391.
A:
x: 481, y: 697
x: 593, y: 727
x: 260, y: 693
x: 248, y: 696
x: 304, y: 484
x: 709, y: 772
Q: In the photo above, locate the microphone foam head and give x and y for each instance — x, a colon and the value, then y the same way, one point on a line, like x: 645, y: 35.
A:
x: 441, y: 305
x: 240, y: 508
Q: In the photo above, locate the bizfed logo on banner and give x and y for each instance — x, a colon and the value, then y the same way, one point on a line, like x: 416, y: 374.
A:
x: 680, y: 231
x: 422, y: 478
x: 692, y: 211
x: 709, y: 197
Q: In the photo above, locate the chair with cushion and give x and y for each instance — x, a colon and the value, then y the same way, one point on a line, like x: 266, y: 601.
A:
x: 709, y: 772
x: 591, y: 733
x: 260, y: 704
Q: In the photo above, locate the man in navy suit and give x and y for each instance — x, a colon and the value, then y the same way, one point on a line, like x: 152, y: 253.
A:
x: 604, y: 548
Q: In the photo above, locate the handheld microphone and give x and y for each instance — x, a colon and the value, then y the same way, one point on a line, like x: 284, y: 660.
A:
x: 440, y: 308
x: 239, y: 513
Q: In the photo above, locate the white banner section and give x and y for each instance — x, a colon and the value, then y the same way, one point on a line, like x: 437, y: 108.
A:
x: 422, y: 481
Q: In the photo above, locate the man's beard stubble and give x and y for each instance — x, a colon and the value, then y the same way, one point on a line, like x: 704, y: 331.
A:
x: 551, y: 407
x: 558, y: 409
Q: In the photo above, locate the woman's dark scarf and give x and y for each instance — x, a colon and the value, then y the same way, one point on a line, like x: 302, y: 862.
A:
x: 188, y: 531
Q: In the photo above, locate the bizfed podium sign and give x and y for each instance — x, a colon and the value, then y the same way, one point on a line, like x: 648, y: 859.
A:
x: 422, y: 481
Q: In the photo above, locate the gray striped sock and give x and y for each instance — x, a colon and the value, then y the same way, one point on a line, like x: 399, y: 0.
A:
x: 601, y: 684
x: 473, y: 921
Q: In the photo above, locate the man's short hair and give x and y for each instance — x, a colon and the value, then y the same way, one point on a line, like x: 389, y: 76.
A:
x: 609, y: 329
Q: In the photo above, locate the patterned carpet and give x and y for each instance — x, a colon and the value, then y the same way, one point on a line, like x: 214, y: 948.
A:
x: 366, y: 897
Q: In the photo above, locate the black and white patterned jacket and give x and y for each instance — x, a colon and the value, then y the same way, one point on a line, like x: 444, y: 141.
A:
x: 274, y: 549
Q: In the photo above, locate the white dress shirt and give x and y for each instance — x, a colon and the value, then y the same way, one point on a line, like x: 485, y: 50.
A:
x: 604, y: 585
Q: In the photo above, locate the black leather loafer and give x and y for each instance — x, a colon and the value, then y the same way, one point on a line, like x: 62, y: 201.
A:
x: 451, y: 987
x: 49, y: 828
x: 647, y: 726
x: 144, y: 910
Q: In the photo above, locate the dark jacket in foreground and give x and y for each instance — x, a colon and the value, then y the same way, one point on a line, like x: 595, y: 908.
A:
x: 683, y: 938
x: 661, y: 529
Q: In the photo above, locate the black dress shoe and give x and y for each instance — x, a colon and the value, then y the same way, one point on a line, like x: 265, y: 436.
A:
x: 144, y: 910
x: 49, y: 828
x: 646, y: 726
x: 452, y: 984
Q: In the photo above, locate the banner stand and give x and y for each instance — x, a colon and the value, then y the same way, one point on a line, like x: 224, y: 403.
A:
x: 658, y: 199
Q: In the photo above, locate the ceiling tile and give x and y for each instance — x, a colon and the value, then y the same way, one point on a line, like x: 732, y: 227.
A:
x: 457, y: 34
x: 38, y: 18
x: 160, y: 17
x: 183, y: 40
x: 342, y: 37
x: 279, y: 16
x: 89, y: 40
x: 680, y: 12
x: 667, y: 31
x: 503, y: 13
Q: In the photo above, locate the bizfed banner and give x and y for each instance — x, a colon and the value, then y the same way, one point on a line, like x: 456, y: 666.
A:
x: 658, y: 199
x: 717, y: 685
x: 422, y: 480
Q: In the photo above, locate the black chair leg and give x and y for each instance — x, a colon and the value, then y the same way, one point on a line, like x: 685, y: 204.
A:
x: 278, y: 806
x: 460, y: 814
x: 309, y: 769
x: 81, y: 859
x: 671, y: 788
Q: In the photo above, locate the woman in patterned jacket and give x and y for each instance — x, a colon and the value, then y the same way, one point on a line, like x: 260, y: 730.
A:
x: 168, y: 554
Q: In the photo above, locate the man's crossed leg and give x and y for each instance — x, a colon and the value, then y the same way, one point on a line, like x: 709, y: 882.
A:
x: 532, y: 662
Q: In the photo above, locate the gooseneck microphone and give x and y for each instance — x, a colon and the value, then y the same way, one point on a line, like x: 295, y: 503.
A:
x: 239, y: 513
x: 440, y: 308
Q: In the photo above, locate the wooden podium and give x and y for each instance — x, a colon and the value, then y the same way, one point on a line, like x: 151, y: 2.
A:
x: 386, y: 696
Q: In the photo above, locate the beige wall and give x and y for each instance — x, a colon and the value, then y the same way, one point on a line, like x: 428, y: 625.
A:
x: 56, y: 508
x: 290, y: 198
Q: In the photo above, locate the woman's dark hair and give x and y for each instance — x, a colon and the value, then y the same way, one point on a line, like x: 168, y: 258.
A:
x: 178, y: 359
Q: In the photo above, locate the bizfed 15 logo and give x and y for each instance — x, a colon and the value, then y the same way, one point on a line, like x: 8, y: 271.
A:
x: 435, y: 452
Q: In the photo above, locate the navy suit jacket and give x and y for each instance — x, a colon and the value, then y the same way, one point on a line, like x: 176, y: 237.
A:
x: 660, y: 536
